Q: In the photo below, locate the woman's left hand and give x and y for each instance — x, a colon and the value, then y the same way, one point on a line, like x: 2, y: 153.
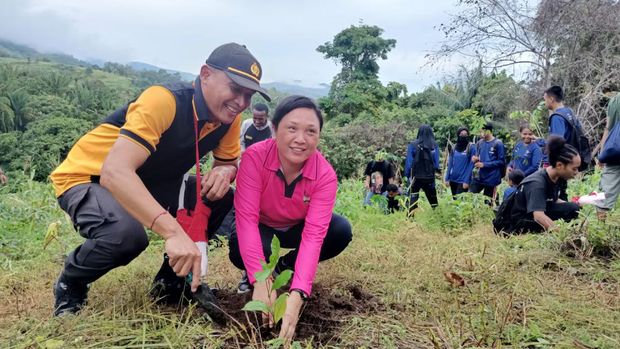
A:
x: 291, y: 315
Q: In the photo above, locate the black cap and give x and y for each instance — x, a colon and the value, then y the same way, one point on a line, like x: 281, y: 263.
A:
x: 488, y: 126
x: 240, y: 66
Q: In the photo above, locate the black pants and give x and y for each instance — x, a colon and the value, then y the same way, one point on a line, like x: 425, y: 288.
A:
x: 566, y: 211
x: 113, y: 236
x: 487, y: 190
x: 456, y: 189
x: 336, y: 240
x: 563, y: 186
x: 428, y: 186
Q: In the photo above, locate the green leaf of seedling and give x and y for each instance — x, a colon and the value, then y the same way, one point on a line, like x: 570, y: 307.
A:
x: 256, y: 306
x: 279, y: 307
x: 275, y: 252
x: 262, y: 275
x: 282, y: 279
x: 275, y: 343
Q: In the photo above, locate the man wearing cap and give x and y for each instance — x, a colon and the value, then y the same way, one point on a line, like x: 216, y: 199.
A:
x: 126, y: 174
x: 489, y: 163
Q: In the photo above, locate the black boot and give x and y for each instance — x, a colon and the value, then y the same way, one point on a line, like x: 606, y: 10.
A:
x: 168, y: 288
x: 70, y: 297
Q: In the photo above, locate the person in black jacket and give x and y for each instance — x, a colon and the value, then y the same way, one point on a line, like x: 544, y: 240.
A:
x: 421, y: 164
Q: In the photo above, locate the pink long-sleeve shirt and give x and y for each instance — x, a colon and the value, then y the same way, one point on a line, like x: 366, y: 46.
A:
x: 262, y: 196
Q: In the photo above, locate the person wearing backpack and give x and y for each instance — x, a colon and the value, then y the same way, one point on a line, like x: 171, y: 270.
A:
x: 489, y: 163
x: 564, y: 123
x: 610, y: 159
x: 458, y: 172
x: 527, y: 154
x: 421, y: 164
x: 536, y: 204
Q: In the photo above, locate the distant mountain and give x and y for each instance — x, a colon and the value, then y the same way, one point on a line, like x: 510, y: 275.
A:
x: 11, y: 49
x: 141, y: 66
x: 313, y: 92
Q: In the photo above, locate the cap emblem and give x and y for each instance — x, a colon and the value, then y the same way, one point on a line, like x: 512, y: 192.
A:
x: 255, y: 69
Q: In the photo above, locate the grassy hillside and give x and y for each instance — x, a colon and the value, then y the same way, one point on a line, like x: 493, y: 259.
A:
x: 388, y: 289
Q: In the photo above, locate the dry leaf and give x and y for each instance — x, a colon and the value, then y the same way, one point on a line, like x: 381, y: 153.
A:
x: 454, y: 278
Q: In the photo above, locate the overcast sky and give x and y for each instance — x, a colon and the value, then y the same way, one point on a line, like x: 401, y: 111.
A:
x: 180, y: 34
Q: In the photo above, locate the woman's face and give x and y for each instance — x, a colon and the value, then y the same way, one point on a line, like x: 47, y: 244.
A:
x: 464, y: 134
x: 297, y: 136
x: 527, y: 135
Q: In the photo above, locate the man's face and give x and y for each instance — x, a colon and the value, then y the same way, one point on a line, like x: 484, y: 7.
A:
x: 570, y: 170
x: 225, y: 99
x: 259, y: 118
x: 484, y: 133
x: 549, y: 101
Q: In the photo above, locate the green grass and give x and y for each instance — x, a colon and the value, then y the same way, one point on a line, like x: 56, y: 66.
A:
x: 522, y: 292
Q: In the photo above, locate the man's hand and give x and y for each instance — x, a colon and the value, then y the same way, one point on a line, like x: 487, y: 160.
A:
x: 475, y: 158
x: 184, y: 257
x: 465, y: 186
x: 479, y: 164
x: 291, y: 315
x: 216, y: 182
x: 260, y: 293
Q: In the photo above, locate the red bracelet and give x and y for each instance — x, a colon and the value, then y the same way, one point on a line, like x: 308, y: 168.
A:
x: 155, y: 219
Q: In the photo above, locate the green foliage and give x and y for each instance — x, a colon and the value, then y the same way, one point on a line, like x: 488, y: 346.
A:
x: 9, y: 152
x: 48, y: 140
x: 498, y: 95
x: 7, y: 117
x: 349, y: 148
x: 18, y: 101
x: 357, y: 88
x: 357, y: 49
x: 41, y: 106
x: 454, y: 216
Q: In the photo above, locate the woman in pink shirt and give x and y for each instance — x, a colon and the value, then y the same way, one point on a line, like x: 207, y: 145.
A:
x: 286, y: 188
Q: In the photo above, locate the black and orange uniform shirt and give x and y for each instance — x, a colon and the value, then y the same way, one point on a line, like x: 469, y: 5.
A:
x: 160, y: 120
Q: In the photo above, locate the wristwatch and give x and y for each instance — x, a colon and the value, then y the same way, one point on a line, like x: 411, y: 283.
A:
x: 304, y: 295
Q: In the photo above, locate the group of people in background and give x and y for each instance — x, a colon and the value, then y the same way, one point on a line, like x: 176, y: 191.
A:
x: 537, y: 172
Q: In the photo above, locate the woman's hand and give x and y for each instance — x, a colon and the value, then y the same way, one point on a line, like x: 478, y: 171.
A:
x: 291, y: 315
x: 261, y: 293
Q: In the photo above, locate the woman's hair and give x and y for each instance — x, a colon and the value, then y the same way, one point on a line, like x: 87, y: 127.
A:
x: 425, y: 138
x: 291, y: 103
x: 559, y: 150
x: 461, y: 129
x: 523, y: 127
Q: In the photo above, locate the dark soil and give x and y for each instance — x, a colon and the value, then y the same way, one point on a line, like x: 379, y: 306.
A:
x: 321, y: 317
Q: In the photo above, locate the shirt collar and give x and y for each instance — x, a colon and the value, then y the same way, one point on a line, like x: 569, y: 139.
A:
x: 272, y: 162
x: 200, y: 105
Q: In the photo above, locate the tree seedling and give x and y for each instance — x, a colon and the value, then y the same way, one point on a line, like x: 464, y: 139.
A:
x: 279, y: 307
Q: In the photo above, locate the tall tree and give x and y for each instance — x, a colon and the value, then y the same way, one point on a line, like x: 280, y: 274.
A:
x: 357, y: 87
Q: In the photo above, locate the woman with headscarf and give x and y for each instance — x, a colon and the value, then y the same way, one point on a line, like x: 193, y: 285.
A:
x: 420, y: 166
x: 458, y: 173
